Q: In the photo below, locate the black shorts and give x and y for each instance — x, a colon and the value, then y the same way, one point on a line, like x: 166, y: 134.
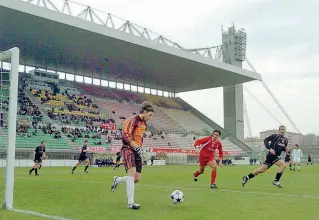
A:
x: 37, y: 160
x: 132, y: 159
x: 309, y: 160
x: 271, y: 159
x: 83, y: 158
x: 287, y: 159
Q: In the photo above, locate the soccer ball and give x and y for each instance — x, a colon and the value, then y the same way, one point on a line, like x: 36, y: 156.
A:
x: 177, y: 197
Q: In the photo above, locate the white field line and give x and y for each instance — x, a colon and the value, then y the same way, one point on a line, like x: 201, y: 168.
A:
x: 182, y: 187
x: 39, y: 214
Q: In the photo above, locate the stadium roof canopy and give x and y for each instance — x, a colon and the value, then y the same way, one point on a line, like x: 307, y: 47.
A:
x: 52, y: 40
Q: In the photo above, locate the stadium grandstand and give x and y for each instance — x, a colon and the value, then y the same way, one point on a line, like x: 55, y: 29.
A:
x: 70, y: 92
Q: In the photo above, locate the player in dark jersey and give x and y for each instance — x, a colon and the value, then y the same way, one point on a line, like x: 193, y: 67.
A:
x: 83, y: 157
x: 309, y: 160
x: 288, y: 159
x: 152, y: 160
x: 38, y: 157
x: 118, y: 159
x: 276, y: 144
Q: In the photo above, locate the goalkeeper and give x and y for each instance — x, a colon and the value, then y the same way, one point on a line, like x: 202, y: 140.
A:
x: 133, y: 130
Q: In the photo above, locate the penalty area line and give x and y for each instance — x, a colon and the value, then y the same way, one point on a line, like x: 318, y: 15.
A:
x: 38, y: 214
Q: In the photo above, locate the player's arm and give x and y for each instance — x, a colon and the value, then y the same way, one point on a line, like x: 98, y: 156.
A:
x: 267, y: 145
x: 267, y: 140
x: 201, y: 141
x: 220, y: 154
x: 44, y: 154
x: 127, y: 133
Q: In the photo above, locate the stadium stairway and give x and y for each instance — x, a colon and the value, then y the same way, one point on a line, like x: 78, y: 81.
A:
x: 225, y: 133
x: 41, y: 107
x: 188, y: 121
x: 46, y: 118
x: 161, y: 121
x: 121, y: 109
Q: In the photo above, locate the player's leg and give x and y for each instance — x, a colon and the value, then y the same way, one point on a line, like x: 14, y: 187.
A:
x: 139, y: 165
x: 202, y: 164
x: 137, y: 177
x: 132, y: 176
x: 200, y: 171
x: 213, y: 165
x: 35, y: 168
x: 31, y: 170
x: 266, y: 165
x: 40, y: 165
x: 116, y: 179
x: 282, y: 167
x: 129, y: 160
x: 87, y: 163
x: 76, y: 165
x: 290, y: 164
x: 299, y: 166
x: 294, y: 165
x: 116, y: 164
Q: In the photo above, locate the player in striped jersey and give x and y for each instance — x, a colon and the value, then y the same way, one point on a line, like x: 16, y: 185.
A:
x: 133, y: 130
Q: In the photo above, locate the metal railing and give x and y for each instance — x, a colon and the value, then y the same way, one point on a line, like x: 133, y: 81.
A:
x: 108, y: 20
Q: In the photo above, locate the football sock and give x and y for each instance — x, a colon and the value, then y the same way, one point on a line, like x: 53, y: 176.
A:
x: 250, y: 176
x: 73, y: 169
x: 130, y: 189
x: 213, y: 177
x: 121, y: 179
x: 278, y: 176
x: 197, y: 173
x: 36, y: 171
x: 86, y: 167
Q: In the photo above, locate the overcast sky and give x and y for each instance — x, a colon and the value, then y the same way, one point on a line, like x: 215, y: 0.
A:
x: 282, y: 44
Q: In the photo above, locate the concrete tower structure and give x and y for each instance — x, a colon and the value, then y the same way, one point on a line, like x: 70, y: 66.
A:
x: 234, y: 53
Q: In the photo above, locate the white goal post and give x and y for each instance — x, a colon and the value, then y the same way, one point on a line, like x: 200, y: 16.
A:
x: 11, y: 56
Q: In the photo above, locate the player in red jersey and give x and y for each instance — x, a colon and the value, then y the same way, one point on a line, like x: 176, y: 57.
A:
x: 207, y: 146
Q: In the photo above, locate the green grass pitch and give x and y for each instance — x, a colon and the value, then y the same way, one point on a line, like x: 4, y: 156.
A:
x: 80, y: 196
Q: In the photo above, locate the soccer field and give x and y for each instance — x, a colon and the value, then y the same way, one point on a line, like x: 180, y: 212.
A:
x: 56, y: 192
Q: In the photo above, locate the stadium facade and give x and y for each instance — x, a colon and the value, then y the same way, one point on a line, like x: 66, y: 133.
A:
x: 112, y: 65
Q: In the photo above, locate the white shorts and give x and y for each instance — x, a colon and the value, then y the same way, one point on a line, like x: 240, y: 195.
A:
x: 296, y: 160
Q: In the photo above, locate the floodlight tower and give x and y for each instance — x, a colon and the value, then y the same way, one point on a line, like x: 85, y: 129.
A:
x: 234, y: 53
